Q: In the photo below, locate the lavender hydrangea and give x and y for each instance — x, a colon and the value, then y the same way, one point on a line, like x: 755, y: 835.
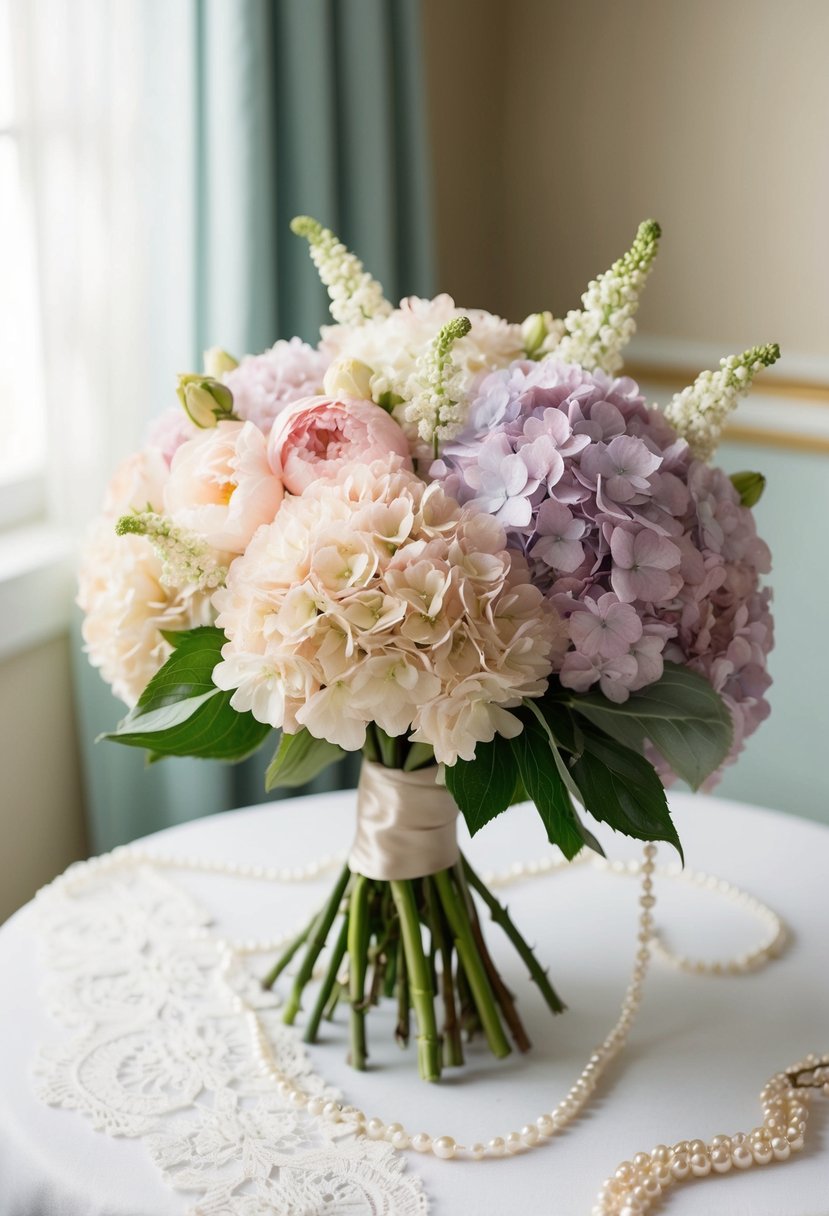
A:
x: 263, y: 385
x: 647, y: 551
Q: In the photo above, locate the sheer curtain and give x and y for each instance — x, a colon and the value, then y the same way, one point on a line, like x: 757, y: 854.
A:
x: 166, y: 146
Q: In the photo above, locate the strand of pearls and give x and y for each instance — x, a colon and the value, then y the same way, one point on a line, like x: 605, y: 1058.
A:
x: 546, y: 1125
x: 651, y: 1167
x: 637, y: 1184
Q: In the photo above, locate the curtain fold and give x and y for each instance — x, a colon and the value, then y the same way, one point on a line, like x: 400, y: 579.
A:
x: 250, y: 113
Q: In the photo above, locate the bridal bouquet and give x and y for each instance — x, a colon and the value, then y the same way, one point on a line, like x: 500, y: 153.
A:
x: 468, y: 549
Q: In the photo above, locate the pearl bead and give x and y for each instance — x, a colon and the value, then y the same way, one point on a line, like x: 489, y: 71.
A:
x: 680, y: 1166
x: 477, y: 1151
x: 741, y: 1157
x: 400, y: 1140
x: 700, y: 1165
x: 721, y: 1159
x: 545, y: 1125
x: 780, y: 1148
x: 421, y: 1142
x: 375, y: 1129
x: 529, y: 1134
x: 514, y: 1144
x: 761, y: 1152
x: 497, y: 1146
x: 444, y: 1147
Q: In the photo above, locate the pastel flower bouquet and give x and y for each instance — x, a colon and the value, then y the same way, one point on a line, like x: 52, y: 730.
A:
x: 468, y: 549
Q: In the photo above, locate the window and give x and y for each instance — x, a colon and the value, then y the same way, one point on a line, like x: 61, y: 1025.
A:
x: 22, y: 412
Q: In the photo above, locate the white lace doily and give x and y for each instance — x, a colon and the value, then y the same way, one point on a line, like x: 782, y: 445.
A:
x: 157, y: 1051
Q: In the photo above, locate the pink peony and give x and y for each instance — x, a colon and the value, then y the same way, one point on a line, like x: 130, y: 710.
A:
x: 221, y: 486
x: 318, y: 436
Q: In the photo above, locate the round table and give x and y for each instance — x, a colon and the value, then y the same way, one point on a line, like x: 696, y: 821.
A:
x: 698, y: 1054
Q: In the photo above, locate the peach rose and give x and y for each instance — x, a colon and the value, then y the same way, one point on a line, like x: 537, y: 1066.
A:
x: 222, y: 487
x: 315, y: 437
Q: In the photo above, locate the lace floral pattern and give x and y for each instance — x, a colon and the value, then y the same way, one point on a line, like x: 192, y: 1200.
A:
x: 159, y: 1051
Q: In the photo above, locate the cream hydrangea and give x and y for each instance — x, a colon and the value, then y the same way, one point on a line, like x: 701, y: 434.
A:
x: 122, y: 591
x: 393, y: 345
x: 379, y: 599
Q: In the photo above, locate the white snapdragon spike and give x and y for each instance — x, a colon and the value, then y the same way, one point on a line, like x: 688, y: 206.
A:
x: 186, y: 560
x: 436, y: 388
x: 355, y: 295
x: 700, y: 411
x: 597, y: 335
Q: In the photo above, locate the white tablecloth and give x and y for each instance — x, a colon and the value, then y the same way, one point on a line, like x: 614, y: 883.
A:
x: 694, y: 1065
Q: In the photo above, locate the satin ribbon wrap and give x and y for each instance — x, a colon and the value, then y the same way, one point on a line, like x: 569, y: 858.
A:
x: 406, y: 824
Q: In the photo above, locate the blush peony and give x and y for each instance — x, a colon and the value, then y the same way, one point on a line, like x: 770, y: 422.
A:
x: 318, y: 436
x: 221, y: 486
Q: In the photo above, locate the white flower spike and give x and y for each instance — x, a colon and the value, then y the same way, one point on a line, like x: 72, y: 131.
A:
x: 437, y: 388
x: 355, y: 295
x: 700, y: 411
x: 597, y: 335
x: 186, y: 560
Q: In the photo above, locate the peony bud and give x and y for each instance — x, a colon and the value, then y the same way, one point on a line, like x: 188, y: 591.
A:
x: 206, y: 401
x: 749, y: 486
x: 218, y: 362
x: 534, y: 330
x: 348, y: 378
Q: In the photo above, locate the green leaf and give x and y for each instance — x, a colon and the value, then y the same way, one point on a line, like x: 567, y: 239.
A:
x: 189, y: 670
x: 685, y: 719
x: 542, y: 719
x: 181, y: 712
x: 299, y: 758
x: 538, y: 767
x: 619, y: 787
x: 483, y: 787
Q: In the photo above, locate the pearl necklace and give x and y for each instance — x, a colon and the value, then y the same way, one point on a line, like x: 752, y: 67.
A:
x: 635, y: 1184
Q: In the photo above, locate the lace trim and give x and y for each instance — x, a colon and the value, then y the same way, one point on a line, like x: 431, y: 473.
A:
x: 158, y: 1052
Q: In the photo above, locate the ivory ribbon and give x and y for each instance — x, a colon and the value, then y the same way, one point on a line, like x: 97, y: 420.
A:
x: 406, y: 824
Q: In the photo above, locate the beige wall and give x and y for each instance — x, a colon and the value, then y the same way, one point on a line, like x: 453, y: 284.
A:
x: 558, y: 126
x: 41, y: 812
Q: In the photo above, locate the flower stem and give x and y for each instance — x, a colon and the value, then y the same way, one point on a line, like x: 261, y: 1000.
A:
x: 388, y: 748
x: 322, y: 927
x: 502, y: 918
x: 358, y: 939
x: 458, y: 916
x: 420, y: 982
x: 328, y: 983
x: 334, y: 1001
x: 452, y: 1046
x: 285, y: 958
x: 503, y: 995
x: 403, y: 1028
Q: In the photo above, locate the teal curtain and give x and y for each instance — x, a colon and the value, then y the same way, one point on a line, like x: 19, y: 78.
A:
x: 292, y: 106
